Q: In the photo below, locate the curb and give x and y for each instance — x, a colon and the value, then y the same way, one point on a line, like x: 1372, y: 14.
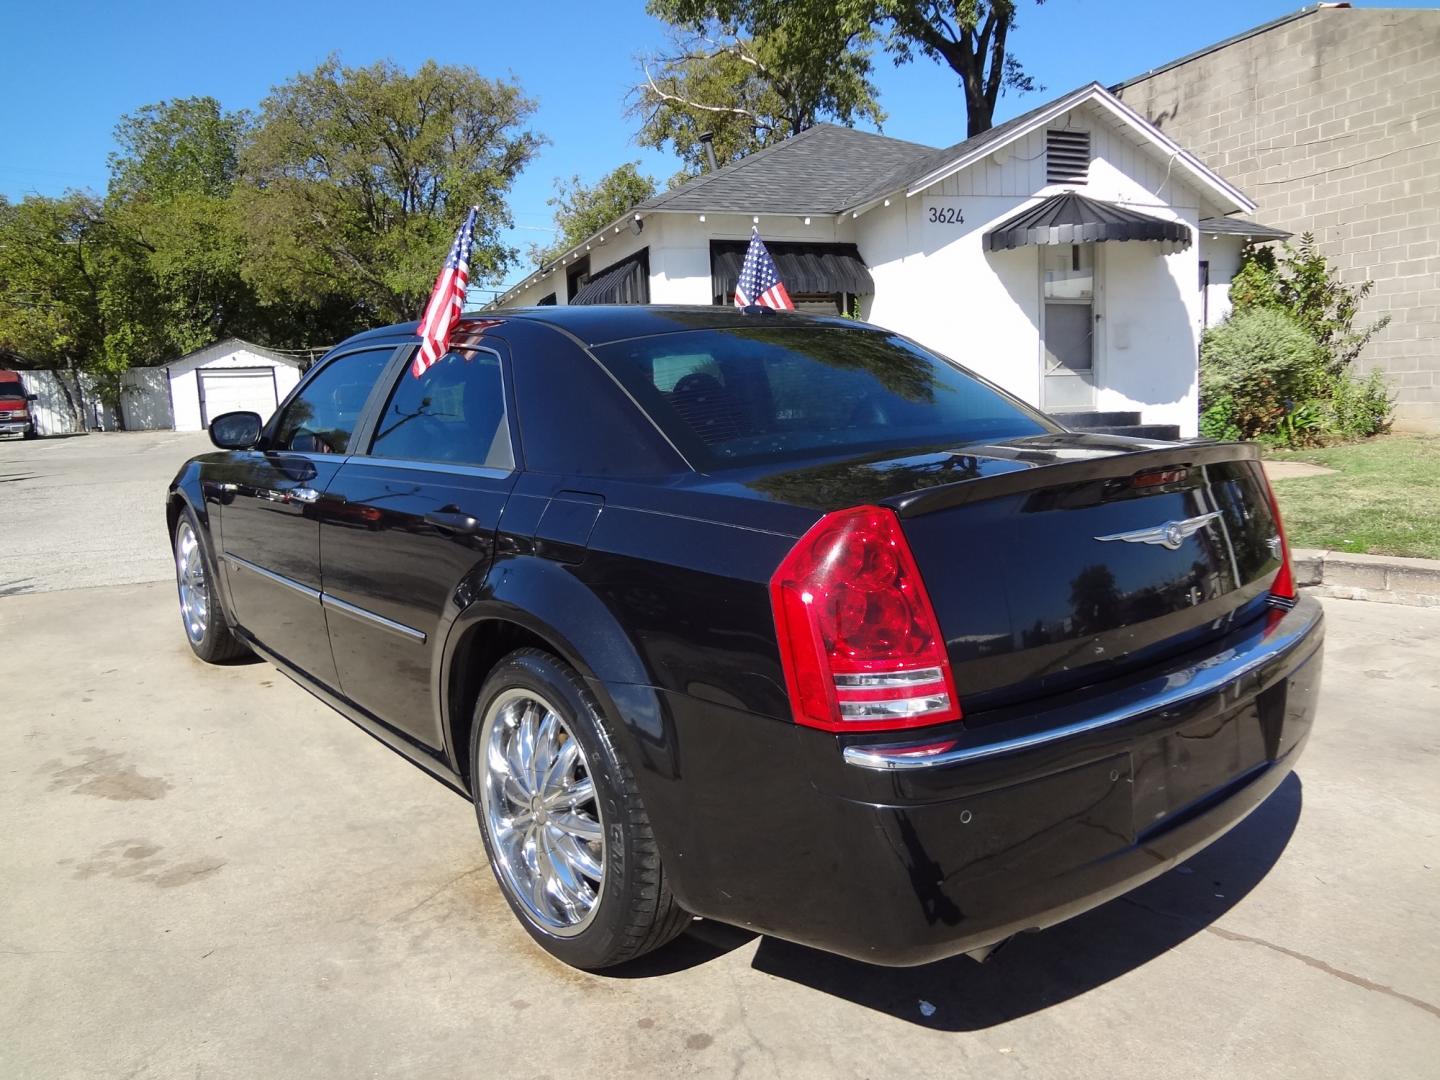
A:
x: 1387, y: 579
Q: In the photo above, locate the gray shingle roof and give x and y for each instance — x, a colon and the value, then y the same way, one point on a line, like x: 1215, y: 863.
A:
x: 822, y: 170
x: 1234, y: 226
x: 828, y: 169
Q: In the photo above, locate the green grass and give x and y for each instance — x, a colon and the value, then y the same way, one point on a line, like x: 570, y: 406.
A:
x: 1384, y: 498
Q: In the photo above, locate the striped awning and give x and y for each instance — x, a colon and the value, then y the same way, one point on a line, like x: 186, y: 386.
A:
x: 625, y: 282
x: 1074, y: 219
x: 804, y: 268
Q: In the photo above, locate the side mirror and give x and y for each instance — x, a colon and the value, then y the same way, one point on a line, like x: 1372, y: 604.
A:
x: 32, y: 397
x: 235, y: 430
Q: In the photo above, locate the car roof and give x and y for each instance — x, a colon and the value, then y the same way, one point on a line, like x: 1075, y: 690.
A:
x: 597, y: 324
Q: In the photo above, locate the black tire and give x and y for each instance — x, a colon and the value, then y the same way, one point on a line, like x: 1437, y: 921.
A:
x: 635, y: 912
x: 31, y: 433
x: 211, y: 639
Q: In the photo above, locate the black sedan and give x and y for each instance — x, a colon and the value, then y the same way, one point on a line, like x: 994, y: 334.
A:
x: 766, y: 618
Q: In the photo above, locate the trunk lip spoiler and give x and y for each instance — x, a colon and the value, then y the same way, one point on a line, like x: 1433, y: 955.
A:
x: 1112, y: 466
x: 1196, y: 679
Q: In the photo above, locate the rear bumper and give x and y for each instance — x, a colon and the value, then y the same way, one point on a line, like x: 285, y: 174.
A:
x: 1018, y: 825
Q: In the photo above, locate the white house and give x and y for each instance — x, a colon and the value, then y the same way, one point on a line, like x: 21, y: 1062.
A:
x: 1059, y: 254
x: 187, y: 393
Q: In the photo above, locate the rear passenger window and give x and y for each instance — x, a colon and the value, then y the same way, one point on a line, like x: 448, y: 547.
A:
x: 321, y: 418
x: 454, y: 412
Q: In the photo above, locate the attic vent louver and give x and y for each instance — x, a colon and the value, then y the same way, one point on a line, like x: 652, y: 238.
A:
x: 1067, y: 157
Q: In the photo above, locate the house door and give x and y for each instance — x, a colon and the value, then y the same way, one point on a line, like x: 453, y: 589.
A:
x: 1068, y: 330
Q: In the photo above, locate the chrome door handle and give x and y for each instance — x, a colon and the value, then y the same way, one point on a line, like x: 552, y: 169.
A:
x: 304, y: 494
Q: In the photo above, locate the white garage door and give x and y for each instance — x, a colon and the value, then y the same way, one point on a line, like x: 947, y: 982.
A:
x: 232, y: 389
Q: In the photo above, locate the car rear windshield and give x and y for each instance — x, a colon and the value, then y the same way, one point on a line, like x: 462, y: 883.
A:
x: 746, y: 396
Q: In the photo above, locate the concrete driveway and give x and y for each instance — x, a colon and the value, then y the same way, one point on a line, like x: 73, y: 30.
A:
x: 204, y: 872
x: 87, y: 510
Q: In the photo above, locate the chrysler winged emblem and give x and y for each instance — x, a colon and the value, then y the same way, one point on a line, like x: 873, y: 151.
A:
x: 1169, y: 535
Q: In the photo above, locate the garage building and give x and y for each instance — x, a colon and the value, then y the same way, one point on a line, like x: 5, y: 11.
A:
x: 188, y: 393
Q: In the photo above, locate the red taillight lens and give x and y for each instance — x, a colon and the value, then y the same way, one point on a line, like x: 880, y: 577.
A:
x: 859, y: 640
x: 1283, y: 587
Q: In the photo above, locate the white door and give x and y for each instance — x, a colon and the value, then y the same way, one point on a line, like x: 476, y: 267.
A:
x: 225, y: 390
x: 1068, y: 331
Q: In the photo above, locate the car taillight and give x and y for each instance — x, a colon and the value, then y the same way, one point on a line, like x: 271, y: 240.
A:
x: 859, y: 641
x: 1282, y: 589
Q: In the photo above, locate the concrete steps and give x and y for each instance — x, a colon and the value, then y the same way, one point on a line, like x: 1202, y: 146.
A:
x: 1117, y: 422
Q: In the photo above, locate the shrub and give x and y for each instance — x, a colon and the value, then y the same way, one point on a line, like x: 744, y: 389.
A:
x: 1217, y: 420
x: 1360, y: 408
x: 1257, y: 368
x: 1301, y: 282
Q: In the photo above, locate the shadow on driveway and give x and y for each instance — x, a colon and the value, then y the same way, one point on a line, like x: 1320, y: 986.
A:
x: 1034, y: 971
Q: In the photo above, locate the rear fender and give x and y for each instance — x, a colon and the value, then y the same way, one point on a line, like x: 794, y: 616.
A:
x: 544, y: 598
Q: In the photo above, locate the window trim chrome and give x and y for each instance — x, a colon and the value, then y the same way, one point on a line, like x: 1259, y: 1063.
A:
x: 490, y: 472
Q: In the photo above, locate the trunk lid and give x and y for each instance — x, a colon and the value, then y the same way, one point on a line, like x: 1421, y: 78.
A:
x: 1059, y: 561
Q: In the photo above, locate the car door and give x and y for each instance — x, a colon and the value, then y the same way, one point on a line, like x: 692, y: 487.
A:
x: 409, y: 531
x: 270, y: 510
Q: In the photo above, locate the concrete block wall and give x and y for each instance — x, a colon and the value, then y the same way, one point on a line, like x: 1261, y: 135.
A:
x: 1330, y: 121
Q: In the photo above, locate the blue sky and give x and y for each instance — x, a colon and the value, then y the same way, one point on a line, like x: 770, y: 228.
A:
x: 71, y: 69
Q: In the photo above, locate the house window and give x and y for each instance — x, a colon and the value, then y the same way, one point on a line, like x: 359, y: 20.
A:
x: 577, y: 277
x: 547, y: 300
x: 1067, y: 157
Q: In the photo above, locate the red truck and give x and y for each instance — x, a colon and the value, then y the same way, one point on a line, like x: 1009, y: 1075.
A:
x: 15, y: 418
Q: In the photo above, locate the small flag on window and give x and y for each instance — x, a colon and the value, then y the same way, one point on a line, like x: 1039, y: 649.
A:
x: 447, y: 301
x: 759, y: 279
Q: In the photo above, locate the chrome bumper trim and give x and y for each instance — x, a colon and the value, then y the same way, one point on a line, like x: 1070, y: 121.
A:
x: 1179, y: 686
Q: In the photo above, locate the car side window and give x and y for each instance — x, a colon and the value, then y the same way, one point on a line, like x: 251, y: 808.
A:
x: 321, y: 418
x: 453, y: 412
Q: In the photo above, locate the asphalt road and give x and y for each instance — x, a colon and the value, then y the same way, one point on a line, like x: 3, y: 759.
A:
x: 205, y: 872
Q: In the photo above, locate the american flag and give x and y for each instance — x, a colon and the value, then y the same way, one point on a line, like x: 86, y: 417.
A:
x: 759, y: 280
x: 447, y: 301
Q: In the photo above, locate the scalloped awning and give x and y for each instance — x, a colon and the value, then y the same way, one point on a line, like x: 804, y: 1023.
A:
x: 1074, y: 219
x: 624, y: 282
x: 804, y: 268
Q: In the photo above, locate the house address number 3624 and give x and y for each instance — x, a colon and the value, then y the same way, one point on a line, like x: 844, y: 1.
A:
x: 946, y: 215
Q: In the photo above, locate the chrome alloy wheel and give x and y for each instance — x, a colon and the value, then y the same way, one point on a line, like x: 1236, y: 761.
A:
x: 541, y: 813
x: 194, y: 589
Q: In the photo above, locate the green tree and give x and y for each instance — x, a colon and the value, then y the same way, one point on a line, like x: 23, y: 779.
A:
x: 73, y: 290
x: 185, y: 145
x: 356, y: 178
x: 971, y: 37
x: 751, y: 88
x: 581, y: 211
x: 171, y: 186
